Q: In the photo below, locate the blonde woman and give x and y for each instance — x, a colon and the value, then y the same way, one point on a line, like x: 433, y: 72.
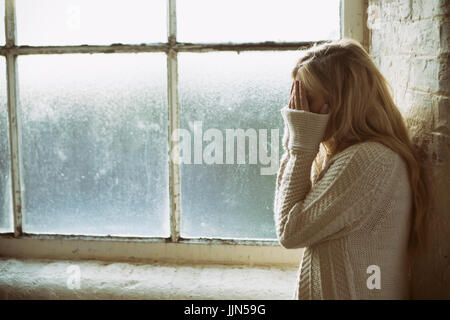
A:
x: 359, y: 210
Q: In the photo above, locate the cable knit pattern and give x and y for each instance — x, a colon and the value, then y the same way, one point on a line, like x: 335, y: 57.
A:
x: 356, y: 215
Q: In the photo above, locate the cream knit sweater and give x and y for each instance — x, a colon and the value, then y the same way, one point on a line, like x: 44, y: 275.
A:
x: 353, y: 221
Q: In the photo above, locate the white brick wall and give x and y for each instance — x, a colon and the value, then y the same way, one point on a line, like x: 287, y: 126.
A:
x: 409, y: 41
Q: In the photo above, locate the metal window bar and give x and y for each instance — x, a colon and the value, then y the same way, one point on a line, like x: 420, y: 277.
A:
x: 171, y: 48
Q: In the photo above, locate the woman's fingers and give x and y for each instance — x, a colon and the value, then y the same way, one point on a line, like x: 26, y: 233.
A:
x: 303, y: 100
x: 291, y: 103
x: 294, y: 104
x: 297, y: 99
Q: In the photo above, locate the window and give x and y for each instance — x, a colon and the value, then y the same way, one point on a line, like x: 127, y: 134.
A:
x: 6, y: 224
x: 100, y: 89
x: 98, y: 22
x: 228, y: 91
x: 206, y: 21
x: 94, y: 144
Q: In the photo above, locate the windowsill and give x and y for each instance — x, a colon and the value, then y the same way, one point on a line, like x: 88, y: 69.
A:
x: 47, y: 279
x: 129, y: 250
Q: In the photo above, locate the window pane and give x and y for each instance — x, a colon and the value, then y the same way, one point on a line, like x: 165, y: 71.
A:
x: 56, y: 22
x: 6, y: 224
x: 225, y: 90
x: 257, y: 20
x: 95, y: 144
x: 2, y: 22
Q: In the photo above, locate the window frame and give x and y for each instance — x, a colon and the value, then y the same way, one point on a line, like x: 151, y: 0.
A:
x: 173, y: 248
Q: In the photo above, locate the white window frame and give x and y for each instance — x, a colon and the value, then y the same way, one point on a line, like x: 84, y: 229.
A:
x: 173, y: 249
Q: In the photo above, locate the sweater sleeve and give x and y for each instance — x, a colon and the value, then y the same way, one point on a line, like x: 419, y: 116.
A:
x: 284, y: 158
x: 338, y: 201
x: 309, y: 122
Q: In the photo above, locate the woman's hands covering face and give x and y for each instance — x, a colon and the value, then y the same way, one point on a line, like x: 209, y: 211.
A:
x: 298, y: 100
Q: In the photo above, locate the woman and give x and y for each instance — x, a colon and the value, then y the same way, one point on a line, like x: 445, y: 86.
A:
x: 360, y: 212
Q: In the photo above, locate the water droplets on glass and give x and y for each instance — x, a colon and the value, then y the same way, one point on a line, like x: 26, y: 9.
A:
x: 94, y: 147
x: 226, y: 90
x: 6, y: 217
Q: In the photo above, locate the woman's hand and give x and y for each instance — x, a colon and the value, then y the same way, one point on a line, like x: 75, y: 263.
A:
x: 304, y: 130
x: 298, y: 100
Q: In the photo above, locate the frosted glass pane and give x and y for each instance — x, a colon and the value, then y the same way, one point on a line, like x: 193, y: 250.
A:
x: 95, y: 144
x: 6, y: 224
x: 257, y: 20
x: 2, y: 22
x: 225, y: 90
x: 63, y: 22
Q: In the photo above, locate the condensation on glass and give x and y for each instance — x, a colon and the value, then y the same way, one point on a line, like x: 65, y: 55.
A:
x: 94, y: 144
x: 6, y: 217
x: 209, y: 21
x: 75, y: 22
x: 220, y: 91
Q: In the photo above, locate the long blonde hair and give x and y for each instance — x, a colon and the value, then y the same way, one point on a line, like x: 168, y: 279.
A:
x: 361, y: 108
